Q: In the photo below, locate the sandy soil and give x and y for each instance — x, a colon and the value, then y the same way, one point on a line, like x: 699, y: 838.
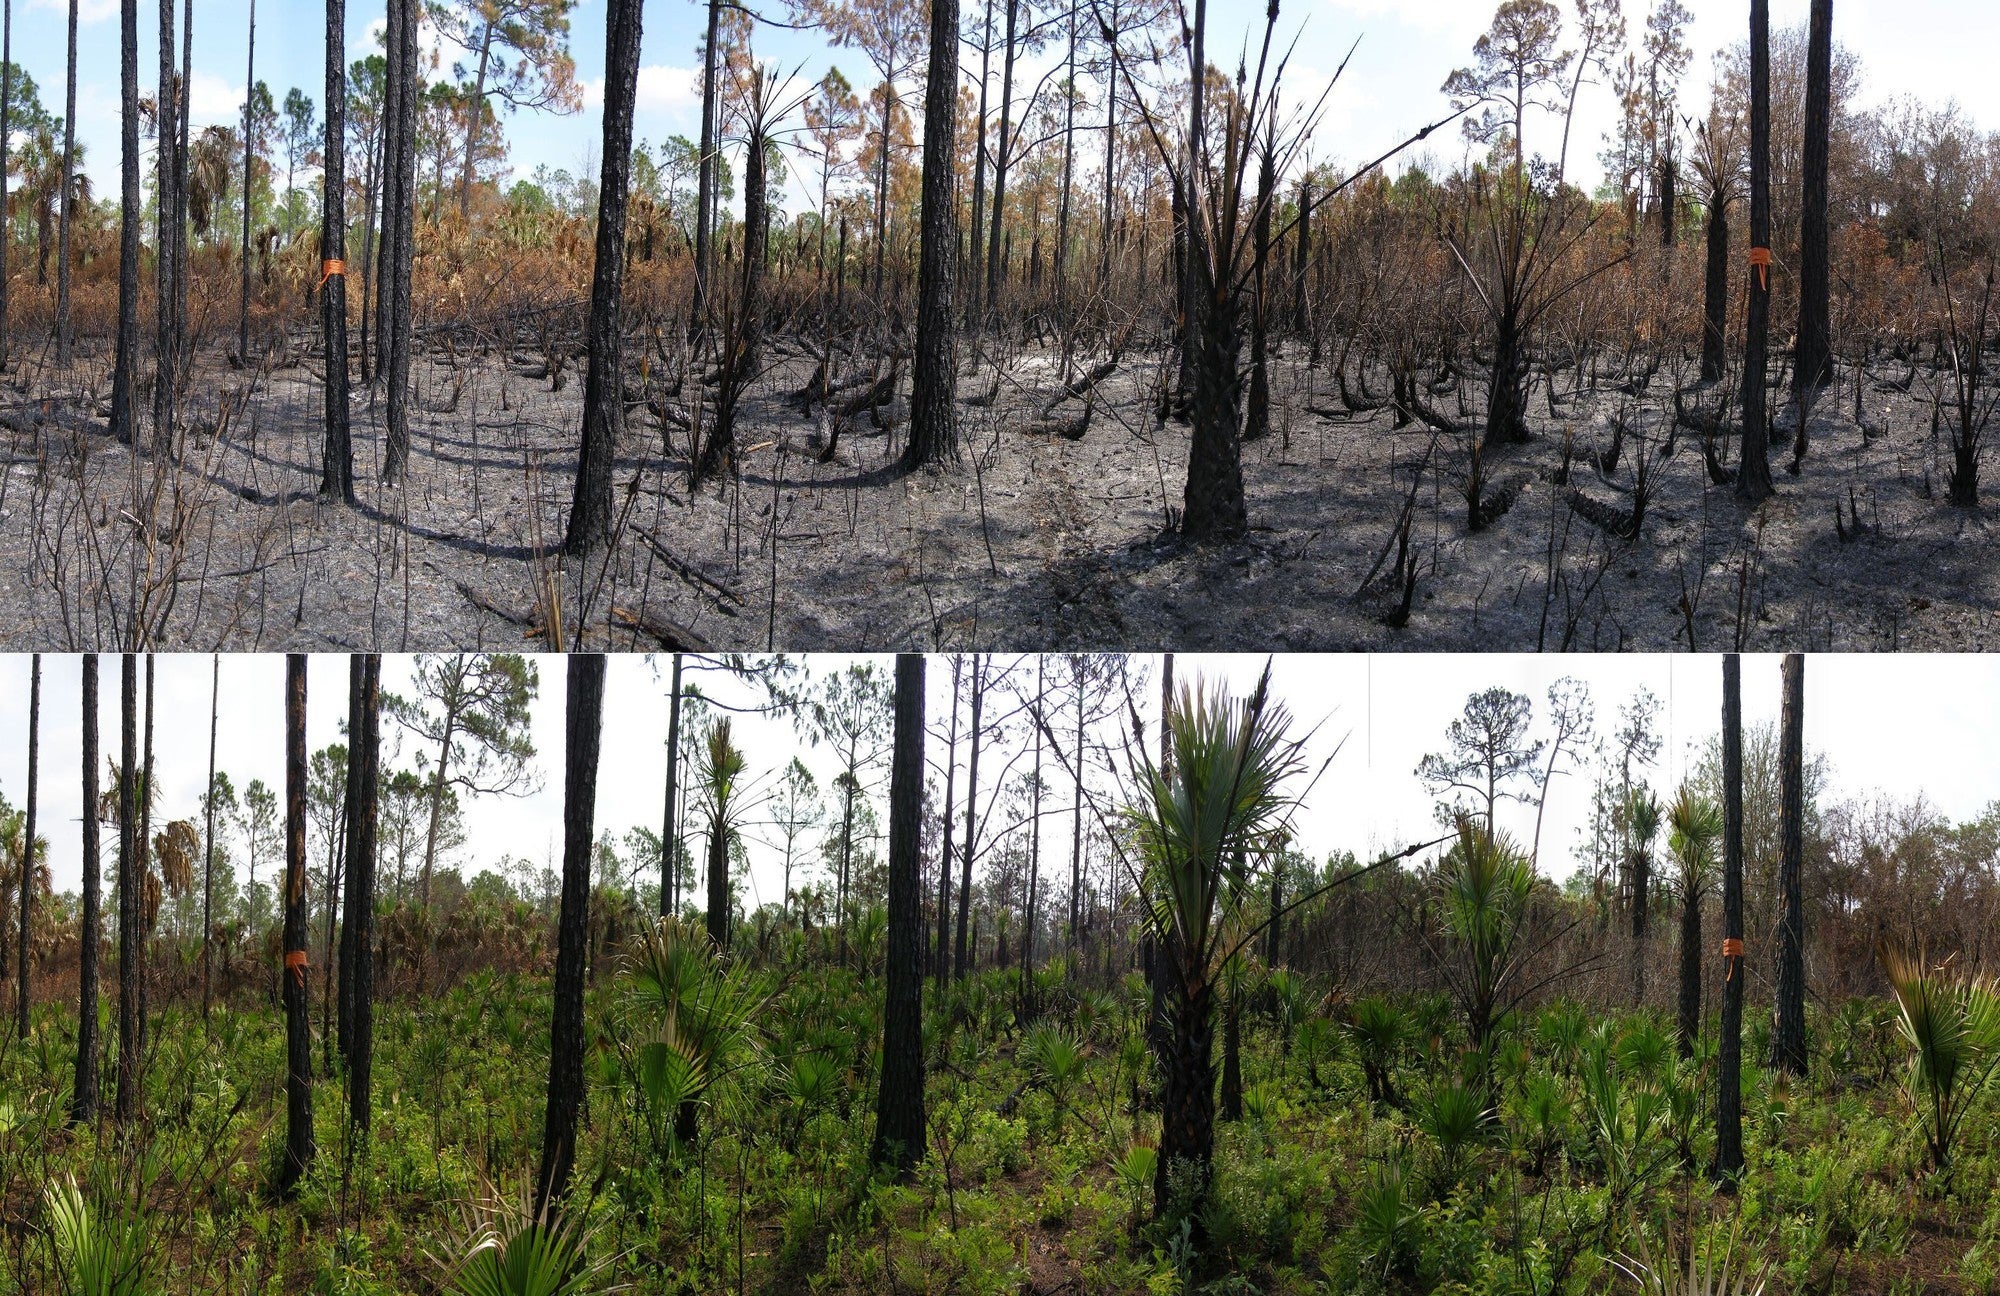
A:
x: 1032, y: 541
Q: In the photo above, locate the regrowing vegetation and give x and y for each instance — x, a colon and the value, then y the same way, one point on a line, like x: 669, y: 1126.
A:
x: 1002, y: 323
x: 1055, y: 991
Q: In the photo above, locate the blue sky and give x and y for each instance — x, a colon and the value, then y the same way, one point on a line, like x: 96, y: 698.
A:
x: 1899, y: 725
x: 1937, y: 49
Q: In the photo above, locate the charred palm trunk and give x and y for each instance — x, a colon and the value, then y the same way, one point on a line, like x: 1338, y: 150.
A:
x: 1688, y: 1028
x: 718, y: 882
x: 1184, y: 1167
x: 603, y: 394
x: 1213, y: 497
x: 1506, y: 402
x: 583, y: 730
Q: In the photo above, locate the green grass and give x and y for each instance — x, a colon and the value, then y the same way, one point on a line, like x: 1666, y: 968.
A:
x: 1587, y: 1151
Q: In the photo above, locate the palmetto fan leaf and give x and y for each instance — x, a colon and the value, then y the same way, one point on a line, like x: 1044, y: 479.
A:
x: 1193, y: 830
x: 508, y: 1251
x: 1951, y: 1020
x: 696, y: 1009
x: 1694, y: 824
x: 177, y: 847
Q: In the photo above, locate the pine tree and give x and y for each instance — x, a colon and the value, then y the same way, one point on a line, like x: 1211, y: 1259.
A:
x: 298, y: 1022
x: 125, y: 1102
x: 337, y: 452
x: 83, y: 1093
x: 899, y: 1107
x: 1729, y: 1094
x: 124, y: 416
x: 1788, y: 1042
x: 934, y: 382
x: 1753, y: 472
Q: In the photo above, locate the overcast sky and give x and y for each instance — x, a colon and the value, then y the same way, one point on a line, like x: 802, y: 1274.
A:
x: 1903, y: 726
x: 1936, y: 49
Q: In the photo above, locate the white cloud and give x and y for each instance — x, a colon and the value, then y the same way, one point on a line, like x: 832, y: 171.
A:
x: 662, y: 88
x: 87, y: 11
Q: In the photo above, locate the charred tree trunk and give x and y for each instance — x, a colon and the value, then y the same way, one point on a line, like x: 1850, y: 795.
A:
x: 583, y: 730
x: 1688, y: 1028
x: 899, y: 1108
x: 1715, y: 290
x: 68, y: 191
x: 1753, y: 472
x: 1213, y: 507
x: 669, y: 839
x: 603, y: 392
x: 1001, y: 161
x: 1184, y: 1166
x: 899, y: 1139
x: 971, y: 819
x: 934, y: 382
x: 940, y: 956
x: 400, y: 159
x: 6, y: 126
x: 1303, y: 260
x: 124, y: 416
x: 336, y: 476
x: 208, y: 830
x: 166, y: 336
x: 298, y: 1019
x: 1815, y: 354
x: 1258, y: 422
x: 249, y: 151
x: 83, y: 1093
x: 1506, y: 403
x: 1788, y: 1041
x: 21, y: 990
x: 1729, y: 1095
x: 357, y: 970
x: 125, y: 1103
x: 705, y: 182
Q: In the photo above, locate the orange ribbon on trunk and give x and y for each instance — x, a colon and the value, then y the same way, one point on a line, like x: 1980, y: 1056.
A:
x: 295, y: 963
x: 329, y: 268
x: 1732, y: 948
x: 1760, y: 261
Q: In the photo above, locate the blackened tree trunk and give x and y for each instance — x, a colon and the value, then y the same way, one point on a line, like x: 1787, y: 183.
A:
x: 1212, y: 501
x: 83, y: 1093
x: 1688, y: 1027
x: 718, y: 882
x: 1788, y: 1043
x: 337, y: 454
x: 401, y: 156
x: 1108, y: 28
x: 68, y: 192
x: 603, y: 395
x: 1001, y: 159
x: 1753, y: 473
x: 1034, y: 851
x: 1729, y: 1096
x: 28, y: 839
x: 583, y: 728
x: 166, y: 336
x: 958, y: 964
x: 125, y: 1103
x: 940, y: 955
x: 1506, y: 402
x: 1068, y: 163
x: 208, y: 829
x: 124, y: 416
x: 1232, y: 1061
x: 1715, y: 288
x: 6, y: 125
x: 249, y: 151
x: 1076, y: 823
x: 142, y: 866
x: 1303, y: 259
x: 364, y: 768
x: 899, y: 1103
x: 298, y: 1019
x: 705, y: 181
x: 1258, y: 422
x: 669, y: 839
x: 934, y: 383
x: 1815, y: 355
x: 979, y: 162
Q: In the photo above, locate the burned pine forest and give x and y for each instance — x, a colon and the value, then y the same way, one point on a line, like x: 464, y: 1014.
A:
x: 998, y: 323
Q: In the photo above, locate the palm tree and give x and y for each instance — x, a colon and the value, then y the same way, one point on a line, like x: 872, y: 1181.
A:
x: 1195, y: 829
x: 721, y: 778
x: 1642, y: 821
x: 1694, y: 824
x: 1480, y: 913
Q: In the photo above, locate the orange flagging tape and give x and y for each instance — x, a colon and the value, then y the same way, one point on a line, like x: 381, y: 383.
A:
x: 328, y: 269
x: 1760, y: 260
x: 295, y: 962
x: 1732, y: 948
